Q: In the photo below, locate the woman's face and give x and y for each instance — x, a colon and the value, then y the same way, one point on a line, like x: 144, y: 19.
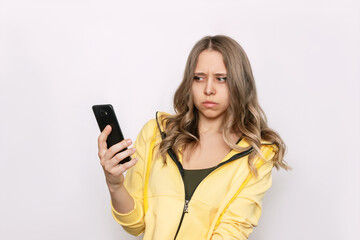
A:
x: 209, y: 89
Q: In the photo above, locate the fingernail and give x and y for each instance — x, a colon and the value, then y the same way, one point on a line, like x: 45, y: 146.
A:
x: 128, y: 141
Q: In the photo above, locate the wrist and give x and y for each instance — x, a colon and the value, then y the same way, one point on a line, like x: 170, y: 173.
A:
x: 115, y: 187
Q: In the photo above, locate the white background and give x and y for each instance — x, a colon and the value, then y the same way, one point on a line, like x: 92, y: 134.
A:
x: 58, y: 58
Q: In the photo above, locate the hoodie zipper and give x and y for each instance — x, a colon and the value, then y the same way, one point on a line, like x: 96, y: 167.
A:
x: 181, y: 169
x: 185, y: 210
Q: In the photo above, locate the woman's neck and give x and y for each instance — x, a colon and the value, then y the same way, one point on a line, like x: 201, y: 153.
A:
x: 208, y: 125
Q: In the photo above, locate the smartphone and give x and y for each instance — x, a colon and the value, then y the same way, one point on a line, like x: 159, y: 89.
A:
x: 105, y: 115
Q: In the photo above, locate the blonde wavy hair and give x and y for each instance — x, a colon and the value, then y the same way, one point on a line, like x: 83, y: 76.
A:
x: 244, y: 114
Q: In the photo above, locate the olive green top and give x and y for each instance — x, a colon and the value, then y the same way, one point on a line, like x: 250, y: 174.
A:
x: 192, y: 178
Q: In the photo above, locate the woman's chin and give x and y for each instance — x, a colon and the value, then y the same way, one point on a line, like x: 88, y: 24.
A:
x: 212, y: 114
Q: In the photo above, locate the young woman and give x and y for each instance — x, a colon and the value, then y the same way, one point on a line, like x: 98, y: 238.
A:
x: 201, y: 173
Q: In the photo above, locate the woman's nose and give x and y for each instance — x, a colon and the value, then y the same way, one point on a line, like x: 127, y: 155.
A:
x: 209, y: 88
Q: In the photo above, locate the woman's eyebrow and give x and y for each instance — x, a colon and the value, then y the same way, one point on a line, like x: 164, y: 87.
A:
x: 220, y: 74
x: 200, y: 73
x: 216, y: 74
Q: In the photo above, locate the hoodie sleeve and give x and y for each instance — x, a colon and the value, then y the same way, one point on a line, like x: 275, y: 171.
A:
x: 133, y: 222
x: 244, y: 212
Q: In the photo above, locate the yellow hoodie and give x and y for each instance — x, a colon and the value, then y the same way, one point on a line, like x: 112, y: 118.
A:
x: 225, y: 205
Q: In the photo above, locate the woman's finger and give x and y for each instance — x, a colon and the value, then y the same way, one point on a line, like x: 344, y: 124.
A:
x: 121, y: 156
x: 121, y: 168
x: 117, y: 148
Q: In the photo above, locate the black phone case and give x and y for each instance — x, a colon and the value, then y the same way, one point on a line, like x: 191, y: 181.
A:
x: 105, y: 115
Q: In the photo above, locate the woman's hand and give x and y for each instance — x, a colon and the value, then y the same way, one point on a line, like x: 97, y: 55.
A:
x: 110, y: 158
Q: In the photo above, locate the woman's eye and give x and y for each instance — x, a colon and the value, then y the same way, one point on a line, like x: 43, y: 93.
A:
x: 222, y: 79
x: 197, y: 78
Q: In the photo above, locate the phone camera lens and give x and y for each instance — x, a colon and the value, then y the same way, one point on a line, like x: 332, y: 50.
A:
x: 103, y: 113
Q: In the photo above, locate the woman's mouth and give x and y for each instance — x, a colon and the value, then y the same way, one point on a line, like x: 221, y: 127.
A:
x: 209, y: 104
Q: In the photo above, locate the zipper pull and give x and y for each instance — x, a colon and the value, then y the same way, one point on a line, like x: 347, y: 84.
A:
x: 186, y: 207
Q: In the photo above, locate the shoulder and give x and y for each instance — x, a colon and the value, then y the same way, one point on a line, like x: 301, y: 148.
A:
x: 267, y: 144
x: 267, y: 149
x: 264, y: 145
x: 153, y: 124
